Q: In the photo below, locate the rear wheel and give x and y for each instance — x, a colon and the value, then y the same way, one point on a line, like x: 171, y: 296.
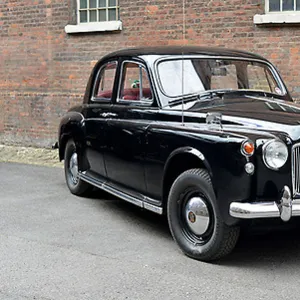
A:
x: 75, y: 184
x: 194, y: 218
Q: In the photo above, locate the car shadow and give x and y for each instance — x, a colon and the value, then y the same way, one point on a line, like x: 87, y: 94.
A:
x: 261, y: 245
x: 146, y: 219
x: 267, y: 245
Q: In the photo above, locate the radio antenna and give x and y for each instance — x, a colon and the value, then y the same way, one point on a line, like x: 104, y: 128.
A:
x: 182, y: 66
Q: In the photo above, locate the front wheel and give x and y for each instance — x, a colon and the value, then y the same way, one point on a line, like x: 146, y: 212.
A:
x: 75, y: 184
x: 194, y: 218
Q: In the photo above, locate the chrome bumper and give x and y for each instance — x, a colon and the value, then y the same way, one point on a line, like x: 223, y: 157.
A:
x: 285, y: 209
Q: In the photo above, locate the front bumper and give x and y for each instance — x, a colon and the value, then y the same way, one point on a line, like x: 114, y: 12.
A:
x: 285, y: 209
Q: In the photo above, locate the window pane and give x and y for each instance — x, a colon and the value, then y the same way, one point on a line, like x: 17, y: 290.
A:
x: 287, y: 5
x: 112, y: 14
x: 83, y: 3
x: 257, y: 78
x: 102, y: 3
x: 207, y: 74
x: 170, y: 73
x: 112, y: 3
x: 102, y: 15
x: 106, y: 84
x: 93, y: 16
x: 298, y: 5
x: 135, y: 85
x: 83, y: 16
x: 93, y: 3
x: 221, y: 81
x: 274, y: 5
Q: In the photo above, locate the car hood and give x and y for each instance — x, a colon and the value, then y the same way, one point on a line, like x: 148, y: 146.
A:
x: 261, y: 113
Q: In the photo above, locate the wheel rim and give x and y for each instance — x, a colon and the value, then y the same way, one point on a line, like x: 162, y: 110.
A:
x: 73, y: 168
x: 196, y: 217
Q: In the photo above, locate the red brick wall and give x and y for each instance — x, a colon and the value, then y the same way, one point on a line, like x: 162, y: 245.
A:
x: 43, y: 71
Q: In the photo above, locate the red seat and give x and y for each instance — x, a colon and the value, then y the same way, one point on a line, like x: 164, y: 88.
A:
x: 128, y: 94
x: 105, y: 94
x: 134, y: 94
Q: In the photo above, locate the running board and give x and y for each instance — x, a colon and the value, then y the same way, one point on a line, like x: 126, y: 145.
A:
x: 131, y: 197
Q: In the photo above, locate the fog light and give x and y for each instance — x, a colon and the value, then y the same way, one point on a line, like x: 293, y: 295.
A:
x: 249, y: 168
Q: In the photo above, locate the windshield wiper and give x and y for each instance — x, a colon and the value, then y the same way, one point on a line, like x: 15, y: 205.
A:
x: 203, y: 96
x: 212, y: 94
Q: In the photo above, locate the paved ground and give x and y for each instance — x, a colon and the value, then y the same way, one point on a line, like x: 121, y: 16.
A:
x: 57, y: 246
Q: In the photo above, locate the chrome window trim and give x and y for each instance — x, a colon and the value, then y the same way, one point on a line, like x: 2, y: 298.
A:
x: 95, y: 99
x: 178, y: 57
x: 121, y: 101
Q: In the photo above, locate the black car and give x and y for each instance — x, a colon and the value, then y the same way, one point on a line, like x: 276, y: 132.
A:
x: 207, y: 136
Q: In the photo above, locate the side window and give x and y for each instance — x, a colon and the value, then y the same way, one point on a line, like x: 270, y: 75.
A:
x: 105, y: 82
x: 135, y: 84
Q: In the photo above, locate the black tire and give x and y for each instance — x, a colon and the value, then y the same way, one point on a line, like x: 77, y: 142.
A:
x: 76, y: 185
x: 218, y: 239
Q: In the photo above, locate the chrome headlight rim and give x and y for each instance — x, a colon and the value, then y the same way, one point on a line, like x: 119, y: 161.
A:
x: 264, y: 148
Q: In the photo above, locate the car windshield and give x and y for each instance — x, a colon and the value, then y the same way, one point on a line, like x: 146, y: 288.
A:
x: 208, y: 74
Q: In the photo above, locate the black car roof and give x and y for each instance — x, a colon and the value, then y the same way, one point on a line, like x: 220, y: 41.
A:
x: 188, y: 50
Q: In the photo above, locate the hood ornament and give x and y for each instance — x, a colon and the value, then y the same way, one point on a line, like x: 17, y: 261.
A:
x: 214, y: 121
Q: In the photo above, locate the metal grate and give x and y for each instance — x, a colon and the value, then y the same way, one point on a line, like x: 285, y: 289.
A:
x: 296, y: 169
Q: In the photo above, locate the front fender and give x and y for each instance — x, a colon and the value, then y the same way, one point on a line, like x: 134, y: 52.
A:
x: 192, y: 151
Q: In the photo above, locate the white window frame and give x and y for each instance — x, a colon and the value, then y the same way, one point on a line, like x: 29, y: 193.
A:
x: 267, y: 6
x: 88, y: 9
x: 95, y: 26
x: 277, y: 17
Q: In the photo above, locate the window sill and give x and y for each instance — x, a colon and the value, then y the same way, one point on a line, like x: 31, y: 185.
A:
x: 94, y: 27
x: 277, y: 18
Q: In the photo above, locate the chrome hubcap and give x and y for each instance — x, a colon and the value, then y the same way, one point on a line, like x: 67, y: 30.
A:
x: 74, y: 168
x: 197, y: 215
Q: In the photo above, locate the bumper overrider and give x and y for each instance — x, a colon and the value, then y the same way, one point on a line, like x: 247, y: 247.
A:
x: 285, y: 208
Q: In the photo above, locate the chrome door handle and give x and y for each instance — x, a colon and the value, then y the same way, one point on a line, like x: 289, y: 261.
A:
x: 108, y: 114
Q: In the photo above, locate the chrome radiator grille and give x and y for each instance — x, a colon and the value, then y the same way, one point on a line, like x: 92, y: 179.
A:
x: 296, y: 169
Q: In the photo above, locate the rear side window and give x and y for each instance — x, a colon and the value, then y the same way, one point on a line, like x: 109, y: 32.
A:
x: 105, y: 82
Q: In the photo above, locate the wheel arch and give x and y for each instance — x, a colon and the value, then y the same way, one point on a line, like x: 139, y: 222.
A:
x: 174, y: 166
x: 71, y: 127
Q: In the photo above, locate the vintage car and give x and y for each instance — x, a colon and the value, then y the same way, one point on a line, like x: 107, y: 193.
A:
x: 207, y: 136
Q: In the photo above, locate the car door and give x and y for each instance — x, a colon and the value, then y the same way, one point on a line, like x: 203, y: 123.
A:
x: 96, y: 114
x: 127, y: 127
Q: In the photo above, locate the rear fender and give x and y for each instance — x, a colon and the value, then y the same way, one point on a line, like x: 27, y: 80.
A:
x: 72, y: 126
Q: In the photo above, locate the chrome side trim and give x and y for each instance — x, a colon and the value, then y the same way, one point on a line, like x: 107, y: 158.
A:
x: 128, y: 196
x: 153, y: 208
x: 285, y: 209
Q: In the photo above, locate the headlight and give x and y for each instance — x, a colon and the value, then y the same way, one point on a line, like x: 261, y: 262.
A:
x: 275, y: 154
